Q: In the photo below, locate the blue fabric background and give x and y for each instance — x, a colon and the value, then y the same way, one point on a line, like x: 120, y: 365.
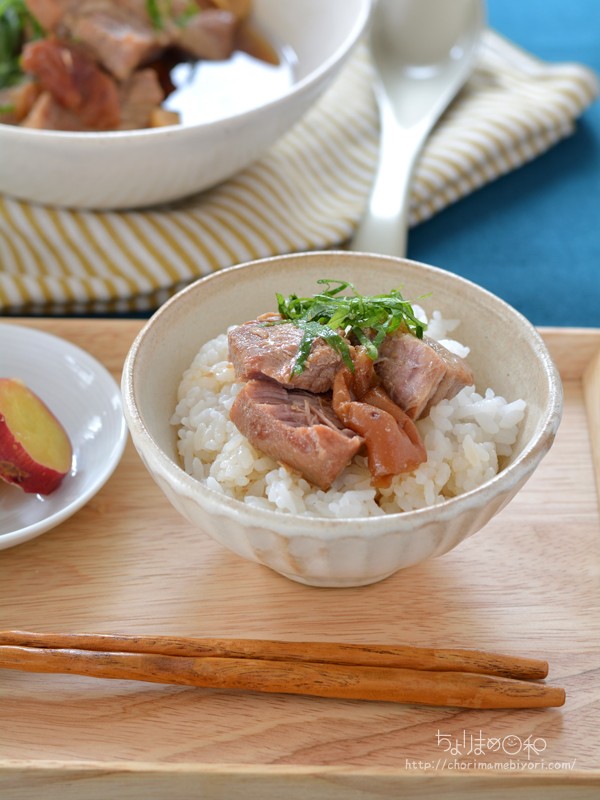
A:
x: 533, y: 236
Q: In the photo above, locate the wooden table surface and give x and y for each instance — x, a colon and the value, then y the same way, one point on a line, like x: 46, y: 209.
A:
x: 529, y: 584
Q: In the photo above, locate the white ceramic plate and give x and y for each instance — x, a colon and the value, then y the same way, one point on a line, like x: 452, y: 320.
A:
x: 83, y: 395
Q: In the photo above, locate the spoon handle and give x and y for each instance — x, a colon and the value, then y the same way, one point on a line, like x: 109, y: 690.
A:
x: 384, y: 226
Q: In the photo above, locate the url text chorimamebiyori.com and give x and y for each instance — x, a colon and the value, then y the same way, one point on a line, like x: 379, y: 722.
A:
x: 509, y: 765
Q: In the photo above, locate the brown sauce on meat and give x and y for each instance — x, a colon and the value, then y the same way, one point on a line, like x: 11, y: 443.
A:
x: 391, y: 437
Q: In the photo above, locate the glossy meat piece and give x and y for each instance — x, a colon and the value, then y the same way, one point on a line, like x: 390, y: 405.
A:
x: 48, y: 12
x: 122, y: 36
x: 119, y: 39
x: 417, y: 373
x: 259, y: 350
x: 296, y: 428
x: 210, y: 34
x: 458, y: 375
x: 55, y: 15
x: 139, y: 96
x: 239, y: 8
x: 47, y: 114
x: 74, y: 81
x: 17, y: 101
x: 393, y: 443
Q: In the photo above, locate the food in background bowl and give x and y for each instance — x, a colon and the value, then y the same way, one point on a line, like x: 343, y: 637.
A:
x: 84, y: 65
x: 226, y: 131
x: 341, y: 405
x: 506, y: 353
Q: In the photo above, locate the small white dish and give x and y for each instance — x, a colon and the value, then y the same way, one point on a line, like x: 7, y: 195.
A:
x: 85, y: 398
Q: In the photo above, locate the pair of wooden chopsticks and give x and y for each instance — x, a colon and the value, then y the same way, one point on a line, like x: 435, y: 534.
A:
x: 400, y: 674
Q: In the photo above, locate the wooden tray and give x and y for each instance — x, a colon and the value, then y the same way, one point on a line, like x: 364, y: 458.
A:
x: 529, y: 583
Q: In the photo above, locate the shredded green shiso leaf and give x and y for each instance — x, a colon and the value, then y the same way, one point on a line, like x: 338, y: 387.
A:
x: 158, y: 10
x: 16, y: 23
x: 154, y: 12
x: 369, y: 317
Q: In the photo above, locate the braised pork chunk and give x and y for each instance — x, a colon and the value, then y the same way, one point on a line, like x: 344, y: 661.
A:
x: 122, y: 35
x: 16, y: 101
x: 261, y: 349
x: 296, y: 428
x: 74, y: 81
x: 417, y: 373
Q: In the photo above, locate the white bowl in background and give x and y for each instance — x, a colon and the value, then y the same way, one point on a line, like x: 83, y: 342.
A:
x: 126, y: 169
x: 507, y: 354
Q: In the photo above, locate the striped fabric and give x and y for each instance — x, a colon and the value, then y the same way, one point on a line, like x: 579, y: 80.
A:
x: 307, y: 193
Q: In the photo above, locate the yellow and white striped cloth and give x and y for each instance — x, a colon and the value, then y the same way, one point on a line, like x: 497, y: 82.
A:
x: 307, y: 192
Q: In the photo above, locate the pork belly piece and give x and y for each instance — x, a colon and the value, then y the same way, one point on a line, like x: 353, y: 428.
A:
x: 210, y: 34
x: 117, y: 33
x: 122, y: 36
x: 16, y: 101
x: 118, y: 39
x: 47, y: 114
x: 75, y: 82
x: 418, y: 373
x: 139, y: 107
x: 55, y: 15
x: 392, y: 440
x: 257, y: 349
x: 139, y: 96
x: 240, y: 8
x: 48, y: 12
x: 296, y: 428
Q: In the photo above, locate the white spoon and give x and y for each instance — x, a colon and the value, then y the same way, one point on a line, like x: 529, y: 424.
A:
x: 424, y: 51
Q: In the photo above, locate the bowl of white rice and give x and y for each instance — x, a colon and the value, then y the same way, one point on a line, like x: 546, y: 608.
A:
x: 481, y: 445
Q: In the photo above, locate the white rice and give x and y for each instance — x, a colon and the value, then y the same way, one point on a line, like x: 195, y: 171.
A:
x: 465, y: 438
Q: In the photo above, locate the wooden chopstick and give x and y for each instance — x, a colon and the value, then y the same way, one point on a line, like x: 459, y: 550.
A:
x: 321, y: 679
x: 373, y: 655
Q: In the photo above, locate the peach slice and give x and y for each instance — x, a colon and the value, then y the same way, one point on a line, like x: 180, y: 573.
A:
x: 35, y: 451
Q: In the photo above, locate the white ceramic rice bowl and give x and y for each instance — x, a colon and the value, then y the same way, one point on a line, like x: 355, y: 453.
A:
x: 127, y: 169
x: 506, y: 353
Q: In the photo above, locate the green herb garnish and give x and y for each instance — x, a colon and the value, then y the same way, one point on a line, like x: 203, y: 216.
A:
x: 153, y: 11
x: 369, y: 317
x: 16, y: 25
x: 158, y: 10
x: 191, y: 10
